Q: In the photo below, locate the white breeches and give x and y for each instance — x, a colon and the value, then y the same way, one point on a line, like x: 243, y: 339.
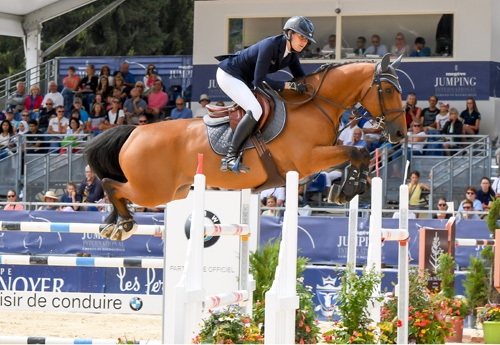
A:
x: 239, y: 92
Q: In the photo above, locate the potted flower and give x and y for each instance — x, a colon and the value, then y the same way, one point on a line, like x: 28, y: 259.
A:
x: 490, y: 317
x: 426, y: 325
x: 229, y: 325
x: 476, y: 287
x: 455, y: 308
x: 353, y: 302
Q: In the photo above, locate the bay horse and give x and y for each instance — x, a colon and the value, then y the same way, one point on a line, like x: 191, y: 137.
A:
x: 155, y: 164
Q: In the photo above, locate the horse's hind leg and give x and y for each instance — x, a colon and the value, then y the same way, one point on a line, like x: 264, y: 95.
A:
x: 122, y: 224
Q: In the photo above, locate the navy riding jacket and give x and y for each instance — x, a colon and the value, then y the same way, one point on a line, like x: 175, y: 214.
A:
x: 252, y: 64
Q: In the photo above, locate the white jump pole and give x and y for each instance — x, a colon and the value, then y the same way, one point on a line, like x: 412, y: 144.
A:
x: 282, y: 299
x: 353, y: 231
x: 403, y: 279
x: 189, y: 292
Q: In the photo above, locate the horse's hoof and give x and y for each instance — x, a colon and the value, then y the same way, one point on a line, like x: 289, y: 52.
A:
x: 108, y: 230
x: 124, y: 230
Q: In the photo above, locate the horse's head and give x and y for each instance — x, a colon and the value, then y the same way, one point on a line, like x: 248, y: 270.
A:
x: 383, y: 99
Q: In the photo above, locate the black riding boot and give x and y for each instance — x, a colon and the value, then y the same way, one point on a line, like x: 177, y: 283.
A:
x: 244, y: 129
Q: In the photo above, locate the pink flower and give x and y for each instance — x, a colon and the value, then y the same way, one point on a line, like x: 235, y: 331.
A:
x: 308, y: 329
x: 351, y: 339
x: 400, y: 323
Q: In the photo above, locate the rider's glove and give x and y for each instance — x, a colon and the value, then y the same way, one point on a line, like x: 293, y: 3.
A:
x: 298, y: 87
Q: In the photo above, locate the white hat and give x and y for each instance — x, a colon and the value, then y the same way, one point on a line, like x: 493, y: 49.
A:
x: 204, y: 97
x: 49, y: 194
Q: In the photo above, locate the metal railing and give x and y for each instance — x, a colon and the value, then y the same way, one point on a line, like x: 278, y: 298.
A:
x: 40, y: 75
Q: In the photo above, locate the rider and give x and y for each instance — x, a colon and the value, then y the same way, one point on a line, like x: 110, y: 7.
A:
x: 240, y: 72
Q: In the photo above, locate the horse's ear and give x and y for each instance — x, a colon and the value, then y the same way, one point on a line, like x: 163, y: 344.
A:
x: 385, y: 62
x: 396, y: 62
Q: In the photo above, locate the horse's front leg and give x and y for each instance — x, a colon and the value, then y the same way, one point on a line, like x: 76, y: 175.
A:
x: 356, y: 178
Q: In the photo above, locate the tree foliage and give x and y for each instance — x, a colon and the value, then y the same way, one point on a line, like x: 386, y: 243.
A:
x: 149, y: 27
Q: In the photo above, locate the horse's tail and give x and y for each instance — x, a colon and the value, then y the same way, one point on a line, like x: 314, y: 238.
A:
x: 103, y: 151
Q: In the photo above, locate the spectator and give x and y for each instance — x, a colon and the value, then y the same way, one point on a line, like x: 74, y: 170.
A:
x: 416, y: 142
x: 428, y: 116
x: 16, y: 100
x: 442, y: 117
x: 156, y: 101
x: 9, y: 116
x: 329, y: 49
x: 442, y: 206
x: 271, y: 202
x: 104, y: 88
x: 415, y: 191
x: 204, y: 100
x: 58, y: 125
x: 134, y: 107
x: 150, y: 77
x: 485, y: 194
x: 89, y: 83
x: 20, y: 139
x: 46, y: 114
x: 140, y: 88
x: 400, y: 47
x: 452, y: 127
x: 83, y: 114
x: 33, y: 102
x: 51, y: 197
x: 114, y: 117
x: 25, y: 116
x: 346, y: 135
x: 470, y: 194
x: 360, y: 46
x: 90, y: 190
x: 412, y: 111
x: 470, y: 117
x: 99, y: 99
x: 124, y: 89
x: 71, y: 196
x: 56, y: 97
x: 128, y: 77
x: 12, y: 197
x: 356, y: 140
x: 35, y: 144
x: 376, y: 48
x: 73, y: 134
x: 106, y: 71
x: 96, y: 117
x: 71, y: 84
x: 467, y: 206
x: 372, y: 133
x: 180, y: 111
x: 279, y: 193
x: 420, y: 49
x: 6, y: 135
x: 143, y: 120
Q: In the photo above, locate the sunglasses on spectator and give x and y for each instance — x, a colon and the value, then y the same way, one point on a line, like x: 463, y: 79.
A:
x: 60, y: 111
x: 140, y: 86
x: 11, y: 196
x: 49, y: 103
x: 470, y: 193
x: 23, y: 115
x: 142, y: 121
x: 441, y: 205
x: 416, y: 125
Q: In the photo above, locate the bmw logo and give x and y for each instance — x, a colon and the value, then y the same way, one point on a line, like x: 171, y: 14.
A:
x: 210, y: 217
x: 135, y: 304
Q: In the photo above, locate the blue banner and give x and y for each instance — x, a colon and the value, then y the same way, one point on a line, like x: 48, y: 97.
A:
x: 449, y: 80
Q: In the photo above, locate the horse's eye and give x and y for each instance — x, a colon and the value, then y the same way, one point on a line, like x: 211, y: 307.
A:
x: 388, y: 90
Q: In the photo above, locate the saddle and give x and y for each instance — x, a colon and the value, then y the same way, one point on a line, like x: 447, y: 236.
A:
x: 236, y: 113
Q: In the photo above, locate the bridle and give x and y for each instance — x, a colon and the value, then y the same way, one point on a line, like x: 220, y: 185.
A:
x: 378, y: 77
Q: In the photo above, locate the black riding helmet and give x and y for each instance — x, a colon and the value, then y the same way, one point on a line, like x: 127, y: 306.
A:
x: 300, y: 25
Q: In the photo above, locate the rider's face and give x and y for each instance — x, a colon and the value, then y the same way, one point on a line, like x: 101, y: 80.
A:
x: 298, y: 42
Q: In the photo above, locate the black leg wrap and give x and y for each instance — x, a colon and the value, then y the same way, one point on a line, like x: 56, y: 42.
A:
x: 363, y: 178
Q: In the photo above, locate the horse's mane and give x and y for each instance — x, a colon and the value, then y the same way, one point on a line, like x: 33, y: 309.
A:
x: 326, y: 67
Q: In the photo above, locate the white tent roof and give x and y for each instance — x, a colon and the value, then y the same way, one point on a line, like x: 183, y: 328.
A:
x: 17, y: 17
